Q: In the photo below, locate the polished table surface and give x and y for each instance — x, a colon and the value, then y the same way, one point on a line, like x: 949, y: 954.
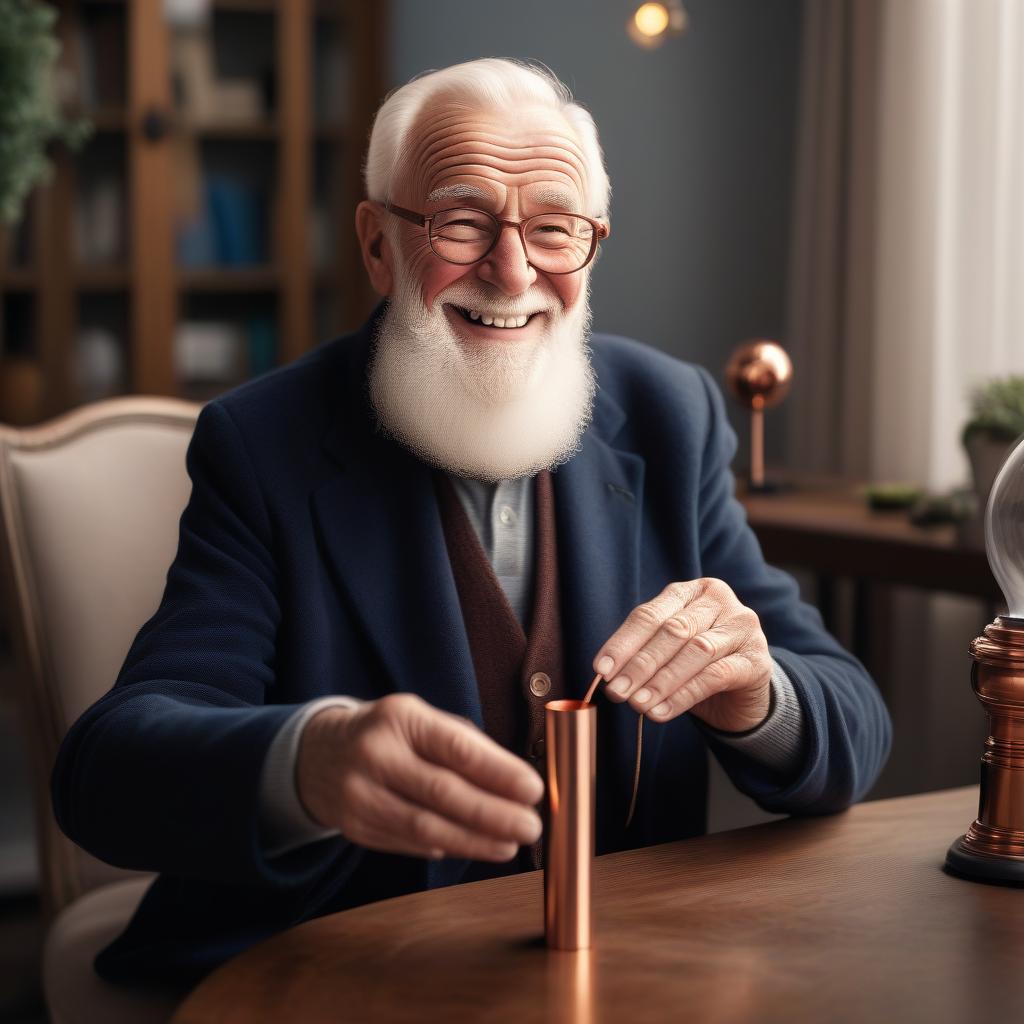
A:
x: 840, y: 918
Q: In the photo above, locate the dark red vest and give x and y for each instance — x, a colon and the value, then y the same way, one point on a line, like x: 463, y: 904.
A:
x: 517, y: 672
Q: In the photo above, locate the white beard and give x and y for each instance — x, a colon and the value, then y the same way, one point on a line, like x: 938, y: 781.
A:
x: 489, y: 410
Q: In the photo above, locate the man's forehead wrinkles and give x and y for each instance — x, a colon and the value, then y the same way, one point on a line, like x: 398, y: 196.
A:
x: 437, y: 175
x: 517, y: 164
x: 469, y: 141
x: 449, y: 133
x: 485, y: 146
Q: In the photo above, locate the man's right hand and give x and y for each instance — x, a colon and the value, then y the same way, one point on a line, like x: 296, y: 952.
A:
x: 399, y: 775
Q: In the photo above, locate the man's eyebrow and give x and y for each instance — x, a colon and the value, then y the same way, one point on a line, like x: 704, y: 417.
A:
x: 459, y: 191
x: 556, y: 197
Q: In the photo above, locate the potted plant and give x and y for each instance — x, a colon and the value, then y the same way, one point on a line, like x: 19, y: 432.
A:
x: 997, y: 421
x: 30, y: 122
x: 30, y: 116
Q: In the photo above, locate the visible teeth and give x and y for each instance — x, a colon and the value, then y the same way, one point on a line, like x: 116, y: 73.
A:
x: 503, y: 321
x: 497, y: 321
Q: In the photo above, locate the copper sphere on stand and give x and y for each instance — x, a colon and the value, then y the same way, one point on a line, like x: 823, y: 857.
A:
x: 759, y: 373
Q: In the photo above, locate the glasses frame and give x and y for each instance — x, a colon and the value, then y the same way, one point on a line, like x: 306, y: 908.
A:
x: 423, y: 220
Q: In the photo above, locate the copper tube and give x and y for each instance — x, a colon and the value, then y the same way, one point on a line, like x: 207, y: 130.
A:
x: 571, y: 743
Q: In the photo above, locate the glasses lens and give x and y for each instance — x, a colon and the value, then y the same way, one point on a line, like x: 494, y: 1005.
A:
x: 558, y: 243
x: 461, y: 236
x: 555, y: 242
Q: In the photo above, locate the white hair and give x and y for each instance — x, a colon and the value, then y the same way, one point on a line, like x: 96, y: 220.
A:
x: 492, y: 83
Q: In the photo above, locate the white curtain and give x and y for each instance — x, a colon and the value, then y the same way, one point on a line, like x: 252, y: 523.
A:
x: 907, y: 276
x: 907, y: 290
x: 949, y: 267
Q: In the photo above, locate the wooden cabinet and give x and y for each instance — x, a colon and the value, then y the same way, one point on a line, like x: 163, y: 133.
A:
x: 103, y: 252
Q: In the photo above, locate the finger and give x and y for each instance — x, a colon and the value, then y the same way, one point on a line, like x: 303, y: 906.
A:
x: 639, y: 624
x: 699, y: 652
x: 387, y: 820
x: 452, y: 743
x: 450, y: 795
x: 658, y: 651
x: 729, y: 673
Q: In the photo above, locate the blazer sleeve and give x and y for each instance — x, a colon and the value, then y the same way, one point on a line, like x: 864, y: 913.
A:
x: 163, y: 772
x: 848, y: 731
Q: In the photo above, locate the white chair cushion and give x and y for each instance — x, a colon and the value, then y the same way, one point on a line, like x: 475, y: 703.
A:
x: 75, y: 993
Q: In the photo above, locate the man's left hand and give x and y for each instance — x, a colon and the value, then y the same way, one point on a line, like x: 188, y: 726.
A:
x: 694, y: 646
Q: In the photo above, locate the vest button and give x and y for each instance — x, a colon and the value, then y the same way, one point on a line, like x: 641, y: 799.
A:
x: 540, y: 684
x: 538, y: 749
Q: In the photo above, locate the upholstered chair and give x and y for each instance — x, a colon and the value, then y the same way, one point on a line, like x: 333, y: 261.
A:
x: 90, y: 504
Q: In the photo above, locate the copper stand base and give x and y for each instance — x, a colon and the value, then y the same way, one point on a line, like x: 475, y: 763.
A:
x: 964, y: 860
x: 992, y: 849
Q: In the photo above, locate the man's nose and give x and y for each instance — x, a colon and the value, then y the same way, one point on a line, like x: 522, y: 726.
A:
x: 506, y: 266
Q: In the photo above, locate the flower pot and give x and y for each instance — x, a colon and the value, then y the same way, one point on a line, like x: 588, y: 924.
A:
x: 987, y: 455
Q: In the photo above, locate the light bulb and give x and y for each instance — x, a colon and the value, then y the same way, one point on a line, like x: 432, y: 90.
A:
x: 652, y: 23
x: 651, y: 19
x: 1004, y: 531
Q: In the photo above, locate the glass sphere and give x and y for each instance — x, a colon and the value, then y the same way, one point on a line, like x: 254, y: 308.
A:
x: 1004, y: 530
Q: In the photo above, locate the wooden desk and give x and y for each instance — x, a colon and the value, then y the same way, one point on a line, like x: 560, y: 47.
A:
x: 839, y: 918
x: 827, y: 527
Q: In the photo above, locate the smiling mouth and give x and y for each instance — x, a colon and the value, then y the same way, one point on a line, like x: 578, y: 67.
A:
x: 478, y: 322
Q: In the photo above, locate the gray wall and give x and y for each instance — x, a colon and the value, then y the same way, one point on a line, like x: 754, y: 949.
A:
x: 699, y: 141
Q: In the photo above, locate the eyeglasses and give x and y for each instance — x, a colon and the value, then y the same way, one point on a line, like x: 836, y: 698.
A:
x: 555, y: 243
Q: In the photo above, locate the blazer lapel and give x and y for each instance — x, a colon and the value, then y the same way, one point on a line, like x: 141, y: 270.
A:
x: 598, y: 502
x: 381, y: 531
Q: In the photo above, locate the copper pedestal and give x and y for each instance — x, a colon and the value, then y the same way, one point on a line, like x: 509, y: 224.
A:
x: 571, y: 743
x: 992, y: 849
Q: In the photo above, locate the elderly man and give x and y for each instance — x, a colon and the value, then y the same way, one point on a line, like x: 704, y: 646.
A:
x: 400, y: 547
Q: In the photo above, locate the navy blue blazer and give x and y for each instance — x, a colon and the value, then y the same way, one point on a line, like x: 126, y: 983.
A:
x: 311, y: 560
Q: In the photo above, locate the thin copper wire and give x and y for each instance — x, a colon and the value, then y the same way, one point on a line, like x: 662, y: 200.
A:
x: 639, y: 749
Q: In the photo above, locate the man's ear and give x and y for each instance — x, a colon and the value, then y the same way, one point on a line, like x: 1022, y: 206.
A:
x: 374, y: 245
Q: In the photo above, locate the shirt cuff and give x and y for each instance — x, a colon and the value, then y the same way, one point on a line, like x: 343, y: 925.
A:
x: 778, y: 741
x: 284, y: 823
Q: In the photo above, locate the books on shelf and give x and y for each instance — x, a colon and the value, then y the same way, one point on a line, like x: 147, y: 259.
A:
x: 202, y: 97
x: 228, y: 229
x: 209, y: 350
x: 237, y: 212
x: 100, y: 365
x: 99, y: 222
x: 224, y: 351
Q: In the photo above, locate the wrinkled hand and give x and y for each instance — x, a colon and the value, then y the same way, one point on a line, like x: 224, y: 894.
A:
x: 694, y: 646
x: 399, y: 775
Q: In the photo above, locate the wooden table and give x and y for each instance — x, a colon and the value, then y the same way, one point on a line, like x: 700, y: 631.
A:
x: 827, y: 526
x: 838, y: 918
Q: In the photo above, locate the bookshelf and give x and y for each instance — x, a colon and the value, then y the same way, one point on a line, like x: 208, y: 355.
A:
x: 204, y: 233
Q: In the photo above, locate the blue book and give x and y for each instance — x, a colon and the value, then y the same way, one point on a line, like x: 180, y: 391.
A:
x: 236, y: 214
